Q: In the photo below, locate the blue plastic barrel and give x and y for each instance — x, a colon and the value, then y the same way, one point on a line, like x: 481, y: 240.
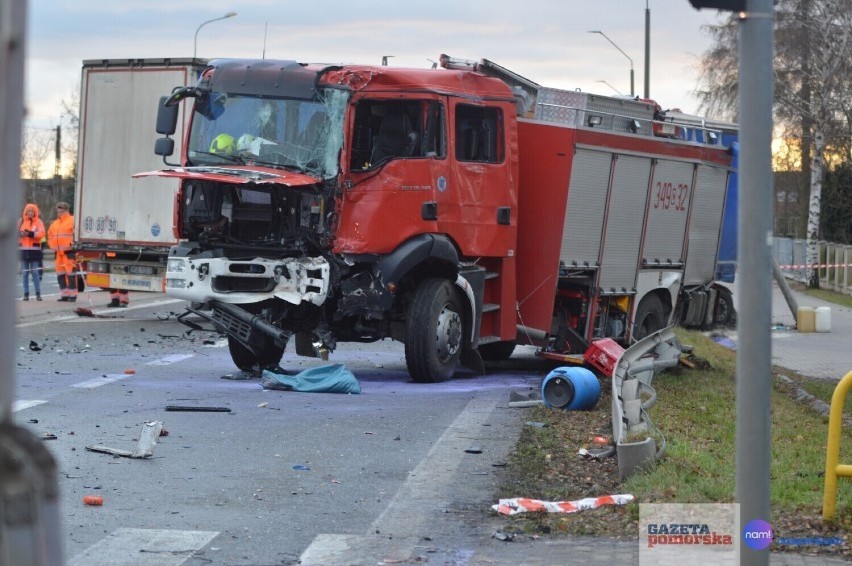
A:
x: 571, y: 388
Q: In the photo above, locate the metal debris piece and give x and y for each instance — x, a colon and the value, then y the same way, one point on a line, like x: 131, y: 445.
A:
x: 144, y: 446
x: 198, y: 409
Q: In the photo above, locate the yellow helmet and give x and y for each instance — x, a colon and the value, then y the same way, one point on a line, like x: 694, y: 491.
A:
x: 223, y: 143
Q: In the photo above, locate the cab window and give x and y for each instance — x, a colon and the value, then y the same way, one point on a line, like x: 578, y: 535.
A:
x: 479, y: 134
x: 393, y: 129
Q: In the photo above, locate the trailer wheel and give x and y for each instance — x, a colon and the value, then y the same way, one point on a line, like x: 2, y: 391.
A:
x: 724, y: 309
x: 497, y: 351
x: 650, y: 317
x: 433, y: 341
x: 247, y: 360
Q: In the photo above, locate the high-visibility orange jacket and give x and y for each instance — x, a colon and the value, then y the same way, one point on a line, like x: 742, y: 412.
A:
x: 60, y: 235
x: 35, y: 226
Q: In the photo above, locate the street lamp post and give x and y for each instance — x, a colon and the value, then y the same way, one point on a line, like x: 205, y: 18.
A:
x: 610, y: 86
x: 195, y: 42
x: 647, y: 51
x: 632, y: 92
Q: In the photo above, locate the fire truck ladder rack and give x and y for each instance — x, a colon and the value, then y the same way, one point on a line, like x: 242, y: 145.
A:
x: 582, y: 109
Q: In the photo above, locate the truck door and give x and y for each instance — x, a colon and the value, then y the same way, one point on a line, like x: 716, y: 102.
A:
x: 477, y: 204
x: 397, y: 164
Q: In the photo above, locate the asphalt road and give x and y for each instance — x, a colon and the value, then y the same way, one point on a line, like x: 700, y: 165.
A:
x: 405, y: 469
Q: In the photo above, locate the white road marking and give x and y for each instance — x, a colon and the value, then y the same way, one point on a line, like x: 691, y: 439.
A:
x: 98, y: 381
x: 25, y: 404
x: 106, y: 311
x: 144, y: 547
x: 419, y: 497
x: 169, y: 360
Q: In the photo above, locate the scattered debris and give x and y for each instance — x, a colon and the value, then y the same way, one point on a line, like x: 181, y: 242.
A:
x: 474, y: 450
x: 240, y: 376
x: 263, y: 405
x: 144, y: 446
x: 301, y: 467
x: 521, y: 400
x: 34, y: 347
x: 198, y: 409
x: 93, y: 500
x: 724, y: 341
x: 535, y: 424
x: 500, y: 535
x: 525, y: 505
x: 48, y: 436
x: 129, y: 371
x: 597, y: 453
x: 83, y: 311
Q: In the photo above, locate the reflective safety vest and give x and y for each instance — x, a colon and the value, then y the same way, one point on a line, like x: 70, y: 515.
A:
x: 60, y: 235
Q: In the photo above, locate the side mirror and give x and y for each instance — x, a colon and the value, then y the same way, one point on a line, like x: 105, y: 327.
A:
x: 167, y: 116
x: 164, y: 147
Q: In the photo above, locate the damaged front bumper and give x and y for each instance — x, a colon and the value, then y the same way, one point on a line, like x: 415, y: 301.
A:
x: 204, y: 279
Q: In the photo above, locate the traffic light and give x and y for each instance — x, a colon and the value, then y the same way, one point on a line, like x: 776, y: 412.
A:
x: 730, y: 5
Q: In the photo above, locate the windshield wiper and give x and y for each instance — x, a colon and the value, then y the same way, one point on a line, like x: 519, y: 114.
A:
x: 225, y: 156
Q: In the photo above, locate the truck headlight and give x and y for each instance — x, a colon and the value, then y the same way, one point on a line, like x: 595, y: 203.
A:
x: 176, y: 265
x: 176, y: 284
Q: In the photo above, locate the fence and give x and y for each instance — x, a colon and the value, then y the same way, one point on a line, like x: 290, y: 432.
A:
x: 834, y: 264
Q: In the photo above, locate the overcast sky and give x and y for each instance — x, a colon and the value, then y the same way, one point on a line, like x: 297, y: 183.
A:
x: 544, y: 40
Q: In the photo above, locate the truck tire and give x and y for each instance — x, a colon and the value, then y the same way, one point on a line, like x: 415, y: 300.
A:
x: 650, y: 317
x: 497, y: 351
x: 246, y: 360
x: 433, y: 341
x: 724, y: 309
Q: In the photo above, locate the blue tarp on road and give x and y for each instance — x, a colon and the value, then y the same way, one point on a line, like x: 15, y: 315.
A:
x: 334, y: 378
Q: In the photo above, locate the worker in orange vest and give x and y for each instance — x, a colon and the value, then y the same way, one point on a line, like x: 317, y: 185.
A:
x: 60, y: 238
x: 31, y: 231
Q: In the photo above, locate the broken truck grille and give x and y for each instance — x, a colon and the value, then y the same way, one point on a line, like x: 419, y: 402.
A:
x: 225, y: 284
x: 234, y: 326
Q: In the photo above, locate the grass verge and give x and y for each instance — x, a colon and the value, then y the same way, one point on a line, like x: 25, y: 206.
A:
x: 696, y: 411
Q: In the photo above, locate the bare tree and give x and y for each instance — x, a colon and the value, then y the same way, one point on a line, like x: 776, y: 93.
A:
x: 71, y: 127
x: 813, y: 88
x: 718, y: 88
x: 36, y: 147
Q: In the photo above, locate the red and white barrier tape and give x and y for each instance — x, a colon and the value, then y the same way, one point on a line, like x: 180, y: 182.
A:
x: 525, y: 505
x: 816, y: 266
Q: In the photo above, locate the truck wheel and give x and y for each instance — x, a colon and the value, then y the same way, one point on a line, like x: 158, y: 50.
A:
x: 497, y: 351
x: 433, y: 340
x: 724, y: 309
x: 650, y: 317
x: 246, y: 360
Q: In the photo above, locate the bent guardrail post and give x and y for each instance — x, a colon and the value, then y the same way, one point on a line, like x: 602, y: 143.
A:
x: 631, y: 381
x: 833, y: 468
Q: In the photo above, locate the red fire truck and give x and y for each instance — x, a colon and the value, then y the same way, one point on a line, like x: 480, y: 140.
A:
x: 460, y: 210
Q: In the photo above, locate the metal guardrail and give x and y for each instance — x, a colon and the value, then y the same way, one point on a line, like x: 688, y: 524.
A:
x: 834, y: 264
x: 833, y: 469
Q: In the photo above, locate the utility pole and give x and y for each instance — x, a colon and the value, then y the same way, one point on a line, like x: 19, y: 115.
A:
x: 30, y: 530
x: 57, y: 162
x: 647, y: 51
x: 754, y: 252
x: 754, y: 351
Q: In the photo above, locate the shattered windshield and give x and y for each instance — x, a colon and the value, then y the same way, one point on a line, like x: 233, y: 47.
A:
x: 297, y: 134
